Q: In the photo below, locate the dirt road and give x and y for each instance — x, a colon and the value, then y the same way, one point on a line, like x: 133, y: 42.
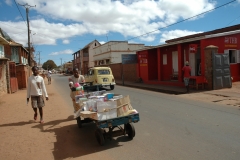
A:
x: 22, y: 138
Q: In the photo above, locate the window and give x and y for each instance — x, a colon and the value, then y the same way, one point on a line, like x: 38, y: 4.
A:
x: 234, y: 56
x: 103, y: 72
x: 14, y: 56
x: 85, y: 54
x: 1, y: 51
x: 91, y: 72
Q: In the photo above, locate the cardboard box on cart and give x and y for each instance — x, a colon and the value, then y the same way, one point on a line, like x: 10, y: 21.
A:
x: 105, y: 110
x: 123, y: 105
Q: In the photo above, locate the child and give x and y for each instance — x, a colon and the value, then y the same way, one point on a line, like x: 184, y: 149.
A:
x: 36, y: 89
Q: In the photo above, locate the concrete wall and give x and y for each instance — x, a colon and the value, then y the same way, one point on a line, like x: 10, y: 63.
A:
x: 114, y: 50
x: 3, y: 78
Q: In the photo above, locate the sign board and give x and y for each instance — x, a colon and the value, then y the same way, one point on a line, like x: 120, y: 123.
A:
x: 129, y: 58
x: 192, y: 48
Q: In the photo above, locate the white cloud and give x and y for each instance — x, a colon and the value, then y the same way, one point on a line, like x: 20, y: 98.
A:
x: 175, y: 34
x: 8, y: 2
x: 102, y: 42
x: 130, y: 18
x: 47, y: 33
x: 67, y: 51
x: 65, y: 41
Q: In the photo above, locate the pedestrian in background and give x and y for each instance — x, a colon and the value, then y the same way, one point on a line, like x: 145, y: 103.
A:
x: 36, y: 90
x: 186, y: 74
x: 75, y: 78
x: 49, y: 76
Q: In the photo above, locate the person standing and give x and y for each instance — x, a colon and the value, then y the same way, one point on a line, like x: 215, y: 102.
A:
x: 186, y: 74
x: 76, y: 78
x: 36, y: 90
x: 49, y: 76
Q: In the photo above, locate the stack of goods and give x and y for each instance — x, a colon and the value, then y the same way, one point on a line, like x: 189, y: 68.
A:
x: 101, y: 105
x: 77, y: 91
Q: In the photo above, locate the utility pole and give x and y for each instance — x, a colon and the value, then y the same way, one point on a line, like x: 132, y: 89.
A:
x: 38, y: 54
x: 39, y: 58
x: 29, y: 47
x: 61, y: 63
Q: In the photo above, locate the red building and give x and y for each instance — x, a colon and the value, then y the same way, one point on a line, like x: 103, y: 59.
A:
x: 163, y: 64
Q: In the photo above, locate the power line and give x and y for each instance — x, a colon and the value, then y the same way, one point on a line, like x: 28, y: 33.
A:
x: 183, y: 20
x: 165, y: 26
x: 233, y: 20
x: 20, y: 11
x: 177, y: 22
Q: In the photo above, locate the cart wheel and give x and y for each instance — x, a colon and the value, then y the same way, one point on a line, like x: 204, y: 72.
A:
x: 130, y: 130
x: 79, y: 122
x: 99, y: 136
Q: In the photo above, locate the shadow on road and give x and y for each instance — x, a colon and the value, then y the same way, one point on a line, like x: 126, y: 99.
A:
x: 18, y: 123
x: 72, y: 141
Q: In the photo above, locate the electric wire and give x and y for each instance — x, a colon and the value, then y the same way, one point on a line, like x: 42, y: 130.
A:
x: 20, y: 12
x: 233, y: 20
x: 158, y: 28
x: 183, y: 20
x: 175, y: 22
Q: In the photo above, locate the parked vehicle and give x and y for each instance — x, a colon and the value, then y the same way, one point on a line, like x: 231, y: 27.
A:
x: 100, y: 76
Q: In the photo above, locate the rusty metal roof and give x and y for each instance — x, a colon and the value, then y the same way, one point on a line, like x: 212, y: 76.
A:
x: 216, y: 31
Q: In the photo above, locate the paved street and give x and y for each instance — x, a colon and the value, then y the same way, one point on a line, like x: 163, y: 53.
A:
x: 171, y: 127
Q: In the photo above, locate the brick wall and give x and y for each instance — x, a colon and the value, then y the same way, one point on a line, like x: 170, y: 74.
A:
x: 117, y: 70
x: 129, y: 71
x: 3, y: 79
x: 7, y: 50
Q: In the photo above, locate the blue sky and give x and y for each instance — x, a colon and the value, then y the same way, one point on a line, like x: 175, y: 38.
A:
x: 61, y: 27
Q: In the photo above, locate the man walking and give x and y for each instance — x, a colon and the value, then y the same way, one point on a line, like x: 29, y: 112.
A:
x: 36, y: 89
x: 49, y: 76
x: 186, y: 75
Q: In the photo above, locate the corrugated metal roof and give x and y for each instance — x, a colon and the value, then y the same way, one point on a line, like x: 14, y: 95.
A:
x: 14, y: 44
x: 4, y: 35
x: 3, y: 40
x: 216, y: 31
x: 194, y: 39
x: 90, y: 44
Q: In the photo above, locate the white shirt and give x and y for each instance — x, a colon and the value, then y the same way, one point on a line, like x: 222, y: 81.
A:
x: 74, y: 80
x: 36, y: 86
x: 49, y: 74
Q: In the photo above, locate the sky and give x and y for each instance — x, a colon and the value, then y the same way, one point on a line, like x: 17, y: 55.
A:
x: 61, y: 27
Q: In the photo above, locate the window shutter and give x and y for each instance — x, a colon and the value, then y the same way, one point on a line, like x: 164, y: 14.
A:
x: 238, y: 56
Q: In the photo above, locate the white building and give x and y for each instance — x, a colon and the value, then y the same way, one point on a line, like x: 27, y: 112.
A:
x: 111, y: 52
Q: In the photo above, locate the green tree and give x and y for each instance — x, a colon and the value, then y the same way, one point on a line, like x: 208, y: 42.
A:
x: 49, y: 64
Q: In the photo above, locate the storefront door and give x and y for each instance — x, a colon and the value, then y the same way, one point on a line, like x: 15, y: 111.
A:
x: 221, y: 71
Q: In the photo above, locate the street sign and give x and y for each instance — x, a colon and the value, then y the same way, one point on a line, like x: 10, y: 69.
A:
x: 129, y: 58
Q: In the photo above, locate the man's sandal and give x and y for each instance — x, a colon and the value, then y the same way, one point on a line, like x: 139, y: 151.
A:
x: 42, y: 121
x: 35, y: 116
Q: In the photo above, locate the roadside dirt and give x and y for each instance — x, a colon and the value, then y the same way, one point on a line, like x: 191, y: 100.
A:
x: 22, y: 138
x: 227, y: 96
